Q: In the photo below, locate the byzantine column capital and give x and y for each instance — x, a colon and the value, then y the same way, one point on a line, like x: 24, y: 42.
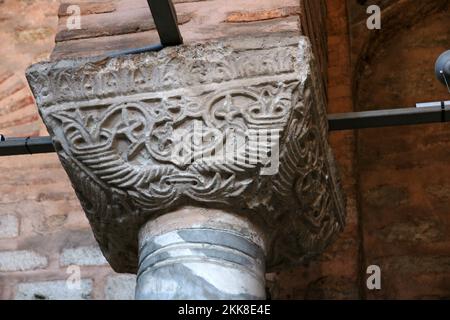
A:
x: 237, y: 125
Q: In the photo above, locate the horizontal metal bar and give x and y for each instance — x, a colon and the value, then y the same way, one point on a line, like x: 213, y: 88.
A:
x: 166, y: 22
x: 388, y: 118
x: 20, y: 146
x: 339, y: 121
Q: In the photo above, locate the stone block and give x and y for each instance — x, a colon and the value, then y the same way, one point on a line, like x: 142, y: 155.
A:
x: 123, y: 128
x: 54, y: 290
x: 9, y: 226
x: 120, y: 287
x: 82, y: 256
x: 21, y: 261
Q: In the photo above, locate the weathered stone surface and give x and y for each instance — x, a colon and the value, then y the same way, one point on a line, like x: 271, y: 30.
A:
x: 54, y: 290
x: 413, y: 231
x: 118, y: 125
x: 9, y: 226
x: 386, y: 196
x: 21, y: 261
x: 82, y: 256
x: 202, y: 254
x: 120, y: 287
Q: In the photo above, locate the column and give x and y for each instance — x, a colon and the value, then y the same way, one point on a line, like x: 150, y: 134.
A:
x: 201, y: 254
x: 199, y: 167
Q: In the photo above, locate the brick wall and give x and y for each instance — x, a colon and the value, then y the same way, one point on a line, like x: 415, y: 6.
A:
x: 396, y: 185
x: 43, y: 231
x: 403, y: 172
x: 336, y: 273
x: 125, y: 24
x: 42, y: 227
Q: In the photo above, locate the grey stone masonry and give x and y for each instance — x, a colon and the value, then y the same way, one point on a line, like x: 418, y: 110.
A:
x: 9, y: 226
x: 82, y: 256
x: 201, y: 166
x: 21, y: 261
x: 120, y: 287
x: 54, y: 290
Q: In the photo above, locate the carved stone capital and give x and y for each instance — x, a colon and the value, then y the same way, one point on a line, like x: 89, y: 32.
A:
x: 144, y: 135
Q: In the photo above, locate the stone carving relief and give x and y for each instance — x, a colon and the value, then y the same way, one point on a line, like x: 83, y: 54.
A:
x: 145, y: 134
x: 147, y: 149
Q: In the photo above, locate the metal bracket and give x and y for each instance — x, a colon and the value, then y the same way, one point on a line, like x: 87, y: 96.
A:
x: 166, y: 22
x: 165, y: 17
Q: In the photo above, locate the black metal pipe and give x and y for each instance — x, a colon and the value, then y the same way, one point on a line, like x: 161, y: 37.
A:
x: 339, y: 121
x: 29, y: 145
x: 389, y: 118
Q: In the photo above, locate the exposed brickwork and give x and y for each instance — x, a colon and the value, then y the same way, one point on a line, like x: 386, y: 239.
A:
x: 121, y: 29
x: 251, y: 16
x: 400, y: 174
x: 35, y: 189
x: 91, y: 7
x: 404, y: 177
